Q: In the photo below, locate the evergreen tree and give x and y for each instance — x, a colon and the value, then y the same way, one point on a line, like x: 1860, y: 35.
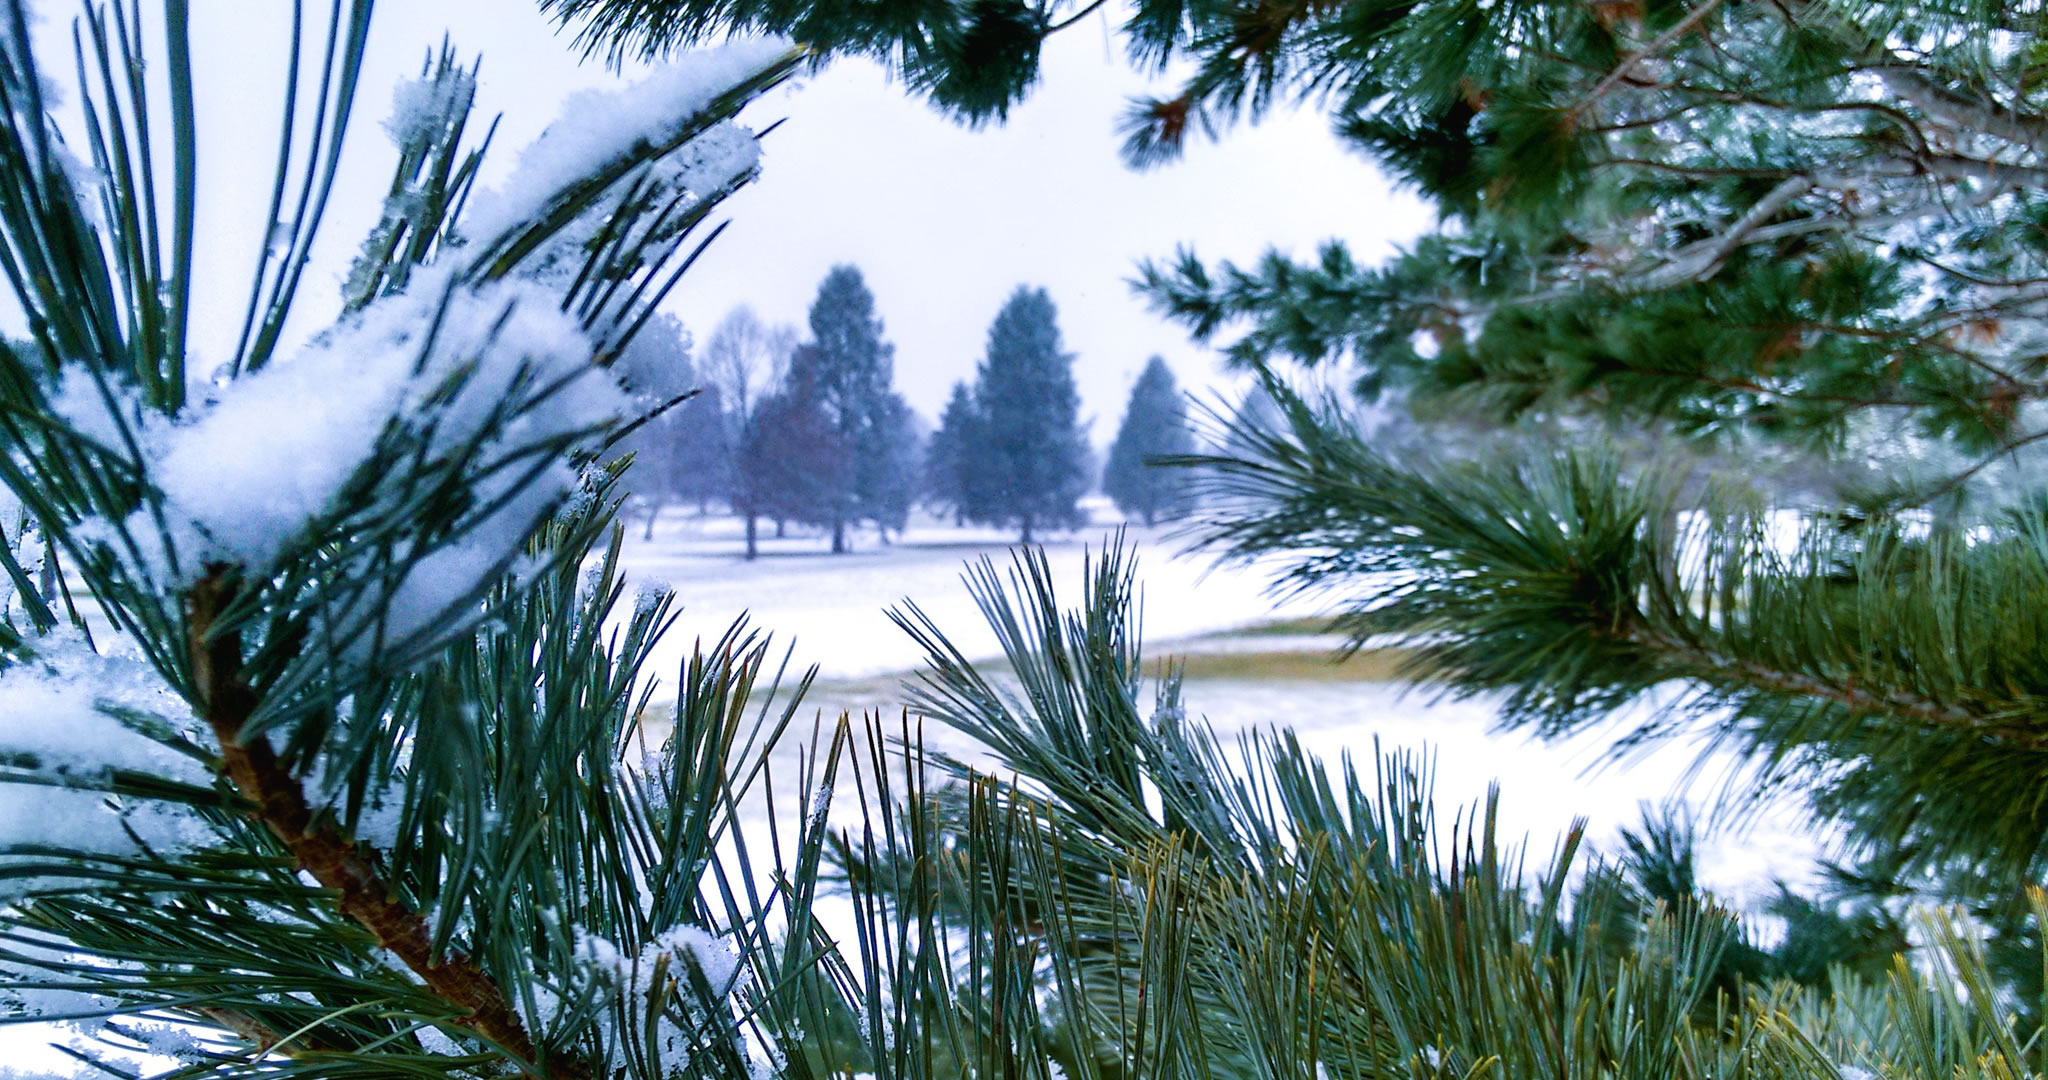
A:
x: 1029, y: 464
x: 679, y: 451
x: 898, y: 464
x: 1155, y: 426
x: 949, y: 474
x: 848, y: 368
x: 699, y: 453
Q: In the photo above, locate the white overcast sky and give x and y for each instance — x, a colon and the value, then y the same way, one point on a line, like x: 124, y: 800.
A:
x: 943, y: 221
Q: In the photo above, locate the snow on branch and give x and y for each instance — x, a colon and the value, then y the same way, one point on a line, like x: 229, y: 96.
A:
x: 74, y: 718
x: 597, y: 128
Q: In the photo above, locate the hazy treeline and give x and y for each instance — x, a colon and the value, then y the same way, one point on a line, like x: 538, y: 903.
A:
x: 806, y: 427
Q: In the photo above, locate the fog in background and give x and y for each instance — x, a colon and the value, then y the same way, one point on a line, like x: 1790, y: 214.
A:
x: 942, y: 220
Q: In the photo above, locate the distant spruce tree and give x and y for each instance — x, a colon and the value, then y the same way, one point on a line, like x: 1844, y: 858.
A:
x: 849, y: 368
x: 700, y: 454
x: 896, y: 465
x: 948, y: 460
x: 1030, y: 464
x: 1155, y: 426
x: 679, y: 455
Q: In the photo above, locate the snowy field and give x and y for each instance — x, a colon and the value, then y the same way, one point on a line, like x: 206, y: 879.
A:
x: 831, y: 609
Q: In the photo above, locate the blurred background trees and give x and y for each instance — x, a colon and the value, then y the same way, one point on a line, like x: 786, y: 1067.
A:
x: 1155, y: 427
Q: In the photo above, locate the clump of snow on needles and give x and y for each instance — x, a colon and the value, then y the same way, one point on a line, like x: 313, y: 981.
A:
x: 64, y: 732
x: 596, y: 127
x: 422, y: 107
x: 673, y: 952
x: 244, y: 472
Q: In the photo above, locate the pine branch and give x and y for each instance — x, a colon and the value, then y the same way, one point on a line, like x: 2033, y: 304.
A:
x: 1656, y: 45
x: 1703, y: 259
x: 337, y: 862
x: 260, y: 1036
x: 1560, y: 579
x: 1961, y: 113
x: 1719, y: 668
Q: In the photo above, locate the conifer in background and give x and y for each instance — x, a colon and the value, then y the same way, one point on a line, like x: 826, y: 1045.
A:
x: 679, y: 454
x: 1028, y: 463
x: 849, y: 372
x: 798, y: 462
x: 949, y: 475
x: 1155, y: 427
x: 899, y: 467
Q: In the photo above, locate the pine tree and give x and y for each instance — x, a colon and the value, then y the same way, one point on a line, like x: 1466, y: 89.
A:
x: 1155, y: 426
x: 949, y: 474
x: 898, y: 464
x: 799, y: 463
x: 847, y: 368
x: 1029, y: 462
x: 699, y: 453
x: 679, y: 452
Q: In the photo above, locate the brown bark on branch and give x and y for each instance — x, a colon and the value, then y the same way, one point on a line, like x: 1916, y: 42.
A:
x: 332, y: 859
x: 1714, y: 667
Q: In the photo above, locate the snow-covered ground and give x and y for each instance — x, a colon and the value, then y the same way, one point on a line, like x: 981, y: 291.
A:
x: 833, y: 608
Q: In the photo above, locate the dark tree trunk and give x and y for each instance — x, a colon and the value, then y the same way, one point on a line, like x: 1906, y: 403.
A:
x: 1027, y: 530
x: 752, y: 548
x: 653, y: 512
x: 838, y: 537
x: 780, y: 526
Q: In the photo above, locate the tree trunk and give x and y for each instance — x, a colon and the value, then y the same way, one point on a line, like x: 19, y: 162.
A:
x: 780, y: 525
x: 838, y: 537
x: 653, y: 511
x: 1027, y: 530
x: 752, y: 549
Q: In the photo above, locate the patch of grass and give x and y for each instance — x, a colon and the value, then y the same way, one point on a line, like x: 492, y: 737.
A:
x: 1369, y: 665
x: 1308, y: 626
x: 1292, y: 665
